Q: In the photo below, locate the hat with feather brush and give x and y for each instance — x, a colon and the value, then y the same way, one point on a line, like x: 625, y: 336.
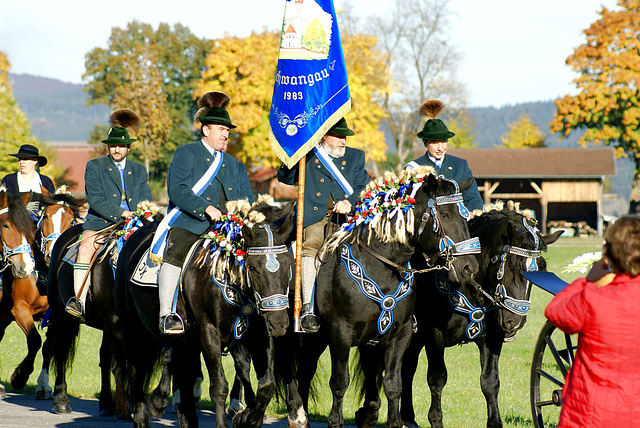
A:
x: 120, y: 120
x: 434, y: 129
x: 212, y: 109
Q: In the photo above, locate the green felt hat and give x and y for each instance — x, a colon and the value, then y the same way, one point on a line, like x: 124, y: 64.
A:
x: 216, y: 115
x: 341, y: 129
x: 118, y: 135
x: 434, y: 130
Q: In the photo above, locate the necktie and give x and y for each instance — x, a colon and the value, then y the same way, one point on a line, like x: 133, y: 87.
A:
x: 123, y: 198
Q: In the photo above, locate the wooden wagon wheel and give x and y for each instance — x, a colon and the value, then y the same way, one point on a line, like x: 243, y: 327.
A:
x: 552, y: 358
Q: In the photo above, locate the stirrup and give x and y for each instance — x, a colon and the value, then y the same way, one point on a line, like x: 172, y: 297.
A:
x: 309, y: 322
x: 171, y: 324
x: 75, y: 307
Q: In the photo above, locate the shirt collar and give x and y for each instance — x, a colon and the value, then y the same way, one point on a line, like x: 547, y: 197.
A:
x: 122, y: 163
x: 438, y: 162
x: 209, y: 148
x: 34, y: 186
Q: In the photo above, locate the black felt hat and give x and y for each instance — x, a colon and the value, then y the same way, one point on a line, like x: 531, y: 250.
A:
x: 29, y: 151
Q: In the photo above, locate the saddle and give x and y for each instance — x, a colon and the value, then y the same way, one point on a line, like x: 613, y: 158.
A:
x: 146, y: 271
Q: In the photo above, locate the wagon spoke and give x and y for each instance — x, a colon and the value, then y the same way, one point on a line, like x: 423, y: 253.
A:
x: 550, y: 377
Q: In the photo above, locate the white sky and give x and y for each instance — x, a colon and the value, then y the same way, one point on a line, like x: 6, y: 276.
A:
x: 513, y: 51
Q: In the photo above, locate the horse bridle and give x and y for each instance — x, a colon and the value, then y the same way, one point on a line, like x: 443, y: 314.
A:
x: 7, y: 252
x: 501, y: 298
x: 275, y: 302
x: 52, y: 236
x: 448, y: 249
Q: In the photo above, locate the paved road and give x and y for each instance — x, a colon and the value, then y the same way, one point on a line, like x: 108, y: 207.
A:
x: 23, y: 411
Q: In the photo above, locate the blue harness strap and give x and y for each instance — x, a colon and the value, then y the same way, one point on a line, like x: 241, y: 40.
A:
x: 236, y: 298
x: 460, y: 303
x: 370, y: 289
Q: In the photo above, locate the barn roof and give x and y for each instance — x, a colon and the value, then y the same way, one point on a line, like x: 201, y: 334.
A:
x: 592, y: 162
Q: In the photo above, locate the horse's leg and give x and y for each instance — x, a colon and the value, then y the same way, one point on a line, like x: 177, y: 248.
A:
x: 436, y: 374
x: 159, y: 399
x: 3, y: 327
x: 185, y: 363
x: 312, y: 348
x: 22, y: 314
x: 262, y: 355
x: 370, y: 364
x: 409, y: 369
x: 105, y: 402
x: 339, y: 380
x: 212, y: 352
x: 489, y: 377
x: 63, y: 333
x: 241, y: 381
x: 43, y: 390
x: 392, y: 379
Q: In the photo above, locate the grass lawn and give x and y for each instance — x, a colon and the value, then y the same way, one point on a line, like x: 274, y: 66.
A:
x: 463, y: 403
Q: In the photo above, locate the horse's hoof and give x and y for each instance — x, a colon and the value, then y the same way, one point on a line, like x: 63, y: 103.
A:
x: 41, y: 394
x: 156, y: 412
x: 18, y: 380
x: 3, y: 392
x: 106, y: 413
x: 123, y: 418
x: 410, y: 424
x: 240, y: 418
x: 61, y: 409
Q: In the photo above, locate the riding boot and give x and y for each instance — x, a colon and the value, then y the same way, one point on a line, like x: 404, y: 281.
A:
x: 75, y: 305
x: 168, y: 281
x: 308, y: 320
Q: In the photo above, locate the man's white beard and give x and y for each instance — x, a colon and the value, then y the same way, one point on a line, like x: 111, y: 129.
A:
x: 335, y: 153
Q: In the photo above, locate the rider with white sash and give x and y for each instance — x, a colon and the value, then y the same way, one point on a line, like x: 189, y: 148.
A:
x: 335, y: 176
x: 201, y: 178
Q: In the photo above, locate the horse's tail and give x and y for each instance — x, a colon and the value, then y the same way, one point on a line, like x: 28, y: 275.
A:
x: 375, y: 364
x: 64, y: 333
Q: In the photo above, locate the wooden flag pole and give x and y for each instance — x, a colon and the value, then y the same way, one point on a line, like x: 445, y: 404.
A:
x: 297, y: 305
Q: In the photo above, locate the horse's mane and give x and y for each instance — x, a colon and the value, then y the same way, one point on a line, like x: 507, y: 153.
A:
x: 20, y: 217
x: 512, y: 214
x: 260, y: 211
x: 390, y: 224
x: 66, y: 198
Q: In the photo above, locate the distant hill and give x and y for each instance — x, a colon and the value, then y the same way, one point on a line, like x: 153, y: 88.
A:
x: 57, y: 110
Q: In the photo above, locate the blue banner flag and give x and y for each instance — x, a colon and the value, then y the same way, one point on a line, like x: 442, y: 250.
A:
x: 311, y: 91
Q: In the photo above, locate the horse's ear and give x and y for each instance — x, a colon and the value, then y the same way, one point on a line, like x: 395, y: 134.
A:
x: 287, y: 228
x: 26, y: 198
x: 465, y: 184
x: 553, y: 237
x: 44, y: 191
x: 432, y: 182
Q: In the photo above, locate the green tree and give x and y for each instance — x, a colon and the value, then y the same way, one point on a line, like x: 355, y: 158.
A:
x: 608, y: 104
x: 15, y: 131
x: 315, y: 37
x: 523, y: 134
x: 244, y: 68
x: 168, y: 63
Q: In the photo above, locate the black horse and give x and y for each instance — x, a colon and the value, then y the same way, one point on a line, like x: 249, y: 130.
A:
x: 224, y: 306
x: 452, y: 313
x: 100, y: 314
x: 364, y: 286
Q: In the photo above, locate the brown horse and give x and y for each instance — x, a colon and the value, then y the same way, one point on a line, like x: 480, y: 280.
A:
x: 20, y: 299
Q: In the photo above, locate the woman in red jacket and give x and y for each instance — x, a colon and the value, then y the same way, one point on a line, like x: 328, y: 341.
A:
x: 602, y: 388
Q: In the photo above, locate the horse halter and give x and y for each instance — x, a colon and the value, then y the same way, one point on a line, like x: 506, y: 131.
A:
x: 448, y: 249
x: 501, y: 298
x: 7, y: 252
x: 275, y: 302
x: 52, y: 237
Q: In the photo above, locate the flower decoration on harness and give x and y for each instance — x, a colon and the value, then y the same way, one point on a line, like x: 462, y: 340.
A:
x: 131, y: 224
x: 389, y: 196
x: 226, y: 237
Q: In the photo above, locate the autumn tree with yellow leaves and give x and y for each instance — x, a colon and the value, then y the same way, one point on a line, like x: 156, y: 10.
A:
x: 608, y: 104
x: 523, y: 134
x: 244, y: 68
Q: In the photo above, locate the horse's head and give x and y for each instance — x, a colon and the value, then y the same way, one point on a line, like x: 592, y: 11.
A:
x: 441, y: 227
x: 60, y: 212
x: 511, y: 244
x: 17, y: 232
x: 268, y: 263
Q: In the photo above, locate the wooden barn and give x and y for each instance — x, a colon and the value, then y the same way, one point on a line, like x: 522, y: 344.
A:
x: 561, y: 185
